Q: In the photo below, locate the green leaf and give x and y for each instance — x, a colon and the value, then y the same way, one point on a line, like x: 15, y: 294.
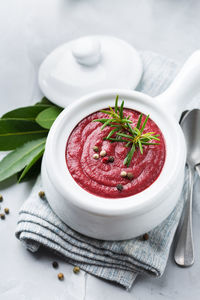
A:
x: 136, y: 131
x: 139, y: 121
x: 129, y: 156
x: 108, y: 112
x: 155, y: 138
x: 131, y: 129
x: 124, y: 135
x: 144, y: 124
x: 14, y: 133
x: 32, y: 173
x: 114, y: 125
x: 128, y: 144
x: 140, y: 146
x: 126, y: 121
x: 16, y: 160
x: 100, y: 120
x: 32, y: 162
x: 121, y: 110
x: 115, y: 140
x: 44, y: 101
x: 145, y: 139
x: 149, y: 133
x: 25, y: 113
x: 48, y: 116
x: 106, y: 123
x: 144, y: 143
x: 112, y: 132
x: 116, y: 104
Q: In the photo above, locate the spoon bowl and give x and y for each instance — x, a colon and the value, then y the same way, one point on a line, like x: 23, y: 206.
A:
x: 191, y: 125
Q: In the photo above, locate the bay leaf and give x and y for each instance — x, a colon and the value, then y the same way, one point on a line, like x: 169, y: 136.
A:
x: 14, y: 133
x: 25, y: 113
x: 32, y: 173
x: 35, y: 159
x: 19, y: 158
x: 46, y: 118
x: 44, y: 101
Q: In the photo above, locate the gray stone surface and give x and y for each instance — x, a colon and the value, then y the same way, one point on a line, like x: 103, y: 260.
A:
x: 29, y: 30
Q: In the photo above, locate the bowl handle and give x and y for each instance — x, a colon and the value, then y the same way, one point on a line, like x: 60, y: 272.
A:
x: 185, y: 86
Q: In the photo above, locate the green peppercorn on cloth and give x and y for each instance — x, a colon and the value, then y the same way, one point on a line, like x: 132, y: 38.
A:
x: 115, y: 261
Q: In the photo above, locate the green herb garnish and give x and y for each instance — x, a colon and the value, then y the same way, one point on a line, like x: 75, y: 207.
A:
x: 122, y: 131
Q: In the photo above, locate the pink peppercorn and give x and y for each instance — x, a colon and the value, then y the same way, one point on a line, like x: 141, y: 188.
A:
x: 105, y: 160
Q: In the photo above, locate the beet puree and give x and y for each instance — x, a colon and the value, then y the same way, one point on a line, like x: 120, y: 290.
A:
x: 100, y: 178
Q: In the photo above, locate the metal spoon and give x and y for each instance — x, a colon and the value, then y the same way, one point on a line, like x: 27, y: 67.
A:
x: 184, y: 114
x: 184, y: 253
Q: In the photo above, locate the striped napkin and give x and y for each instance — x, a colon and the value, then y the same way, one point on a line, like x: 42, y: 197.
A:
x: 114, y: 261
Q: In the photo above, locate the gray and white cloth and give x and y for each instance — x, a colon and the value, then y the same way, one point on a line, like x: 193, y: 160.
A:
x: 115, y: 261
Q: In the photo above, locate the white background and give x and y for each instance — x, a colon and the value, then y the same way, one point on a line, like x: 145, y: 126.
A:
x: 29, y: 30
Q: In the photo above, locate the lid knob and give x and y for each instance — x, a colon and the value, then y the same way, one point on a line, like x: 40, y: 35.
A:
x: 87, y: 51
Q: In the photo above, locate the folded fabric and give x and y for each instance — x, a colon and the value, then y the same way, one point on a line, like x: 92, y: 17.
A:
x: 116, y: 261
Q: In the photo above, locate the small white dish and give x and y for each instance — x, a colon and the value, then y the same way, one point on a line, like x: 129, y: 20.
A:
x: 86, y: 65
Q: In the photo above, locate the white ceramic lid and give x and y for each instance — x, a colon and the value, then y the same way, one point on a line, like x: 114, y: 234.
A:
x: 86, y: 65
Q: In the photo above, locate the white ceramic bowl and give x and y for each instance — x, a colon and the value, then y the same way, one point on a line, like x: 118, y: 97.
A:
x: 122, y: 218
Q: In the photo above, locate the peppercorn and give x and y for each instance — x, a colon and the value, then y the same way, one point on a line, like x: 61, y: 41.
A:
x: 60, y: 276
x: 145, y: 236
x: 120, y: 187
x: 76, y: 270
x: 41, y: 194
x: 103, y: 153
x: 129, y: 175
x: 1, y: 198
x: 6, y: 210
x: 55, y: 264
x: 96, y: 156
x: 96, y: 149
x: 111, y: 159
x: 2, y: 216
x: 123, y: 174
x: 105, y: 160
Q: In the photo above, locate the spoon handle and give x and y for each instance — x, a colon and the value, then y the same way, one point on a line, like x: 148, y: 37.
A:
x: 184, y: 253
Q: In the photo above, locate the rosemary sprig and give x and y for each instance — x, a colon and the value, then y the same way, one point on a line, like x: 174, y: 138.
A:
x: 123, y: 131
